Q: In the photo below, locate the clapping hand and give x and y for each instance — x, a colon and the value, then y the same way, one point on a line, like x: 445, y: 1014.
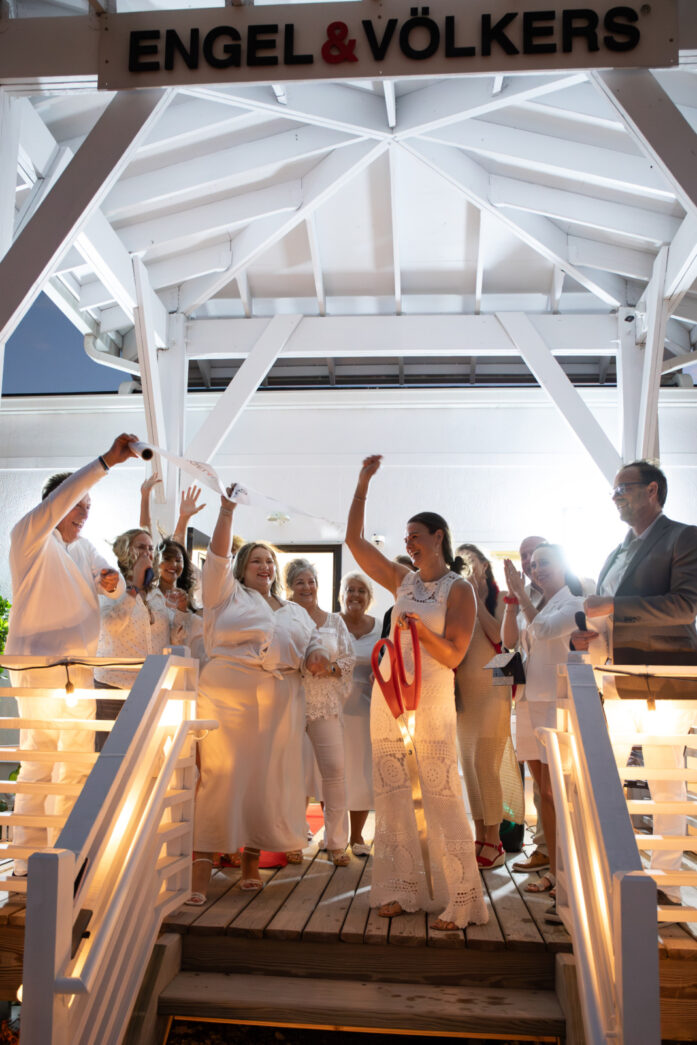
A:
x: 108, y: 580
x: 319, y: 665
x: 515, y: 581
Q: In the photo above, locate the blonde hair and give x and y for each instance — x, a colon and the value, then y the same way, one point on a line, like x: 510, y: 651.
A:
x: 126, y: 558
x: 355, y: 575
x: 239, y: 564
x: 296, y: 567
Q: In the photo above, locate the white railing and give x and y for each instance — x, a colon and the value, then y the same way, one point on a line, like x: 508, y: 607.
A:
x: 605, y: 897
x: 121, y: 862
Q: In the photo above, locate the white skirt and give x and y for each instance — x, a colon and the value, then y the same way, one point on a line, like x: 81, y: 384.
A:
x: 252, y: 789
x: 529, y: 716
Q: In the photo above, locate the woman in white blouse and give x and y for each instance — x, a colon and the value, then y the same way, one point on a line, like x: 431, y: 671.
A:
x: 252, y: 787
x: 137, y: 624
x: 324, y: 701
x: 546, y: 640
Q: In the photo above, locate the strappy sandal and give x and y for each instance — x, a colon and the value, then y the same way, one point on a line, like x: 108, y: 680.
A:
x: 485, y: 863
x: 545, y: 884
x: 251, y: 885
x: 444, y: 927
x: 340, y: 858
x: 388, y: 910
x: 295, y: 856
x: 196, y: 900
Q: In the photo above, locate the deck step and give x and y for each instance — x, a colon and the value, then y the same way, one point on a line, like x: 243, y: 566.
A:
x: 347, y: 1004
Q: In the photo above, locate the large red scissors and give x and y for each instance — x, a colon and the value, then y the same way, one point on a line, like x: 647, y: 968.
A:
x: 402, y: 698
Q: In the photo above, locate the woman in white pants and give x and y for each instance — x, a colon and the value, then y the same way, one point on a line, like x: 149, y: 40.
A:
x: 325, y: 694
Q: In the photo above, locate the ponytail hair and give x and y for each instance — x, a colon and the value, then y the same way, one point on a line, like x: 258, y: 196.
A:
x: 433, y: 522
x: 492, y: 595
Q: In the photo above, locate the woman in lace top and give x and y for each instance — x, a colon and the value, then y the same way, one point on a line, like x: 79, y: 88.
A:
x: 442, y: 607
x: 325, y: 694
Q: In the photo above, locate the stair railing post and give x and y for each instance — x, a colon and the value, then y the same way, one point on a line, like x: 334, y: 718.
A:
x: 47, y: 947
x: 636, y: 956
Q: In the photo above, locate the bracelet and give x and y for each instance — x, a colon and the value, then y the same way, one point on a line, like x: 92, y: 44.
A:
x: 357, y: 498
x: 103, y: 463
x: 510, y: 600
x: 226, y: 511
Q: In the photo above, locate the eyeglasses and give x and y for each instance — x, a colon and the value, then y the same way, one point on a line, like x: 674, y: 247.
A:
x: 621, y: 488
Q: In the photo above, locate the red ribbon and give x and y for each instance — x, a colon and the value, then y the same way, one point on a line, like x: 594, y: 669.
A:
x: 400, y: 694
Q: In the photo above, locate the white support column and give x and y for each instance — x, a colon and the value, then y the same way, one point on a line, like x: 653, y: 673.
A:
x: 173, y: 368
x: 242, y: 387
x: 630, y: 364
x: 144, y: 315
x: 9, y: 136
x: 656, y: 317
x: 565, y: 397
x: 75, y: 196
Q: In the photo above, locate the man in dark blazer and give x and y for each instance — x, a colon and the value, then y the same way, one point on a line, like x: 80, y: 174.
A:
x: 648, y: 589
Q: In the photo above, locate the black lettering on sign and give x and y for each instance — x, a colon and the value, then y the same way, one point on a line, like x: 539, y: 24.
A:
x: 618, y: 21
x: 426, y: 29
x: 256, y: 42
x: 230, y: 54
x: 451, y: 48
x: 378, y: 48
x: 289, y: 55
x: 495, y: 34
x: 138, y: 48
x: 174, y: 45
x: 532, y: 30
x: 581, y: 22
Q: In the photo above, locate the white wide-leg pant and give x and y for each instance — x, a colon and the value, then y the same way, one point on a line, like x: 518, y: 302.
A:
x: 327, y: 738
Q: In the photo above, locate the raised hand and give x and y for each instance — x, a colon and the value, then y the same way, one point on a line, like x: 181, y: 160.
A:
x: 120, y: 450
x: 515, y: 582
x: 370, y: 466
x: 188, y: 505
x: 147, y: 485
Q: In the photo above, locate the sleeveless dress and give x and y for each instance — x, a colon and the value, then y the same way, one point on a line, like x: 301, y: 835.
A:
x: 398, y: 872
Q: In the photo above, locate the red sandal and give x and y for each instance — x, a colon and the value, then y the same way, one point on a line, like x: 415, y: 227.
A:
x: 485, y: 864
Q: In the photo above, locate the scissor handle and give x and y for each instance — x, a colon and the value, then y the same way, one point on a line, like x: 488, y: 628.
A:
x: 411, y: 691
x: 391, y: 688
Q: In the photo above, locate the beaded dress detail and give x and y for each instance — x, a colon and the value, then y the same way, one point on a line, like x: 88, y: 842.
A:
x: 398, y: 872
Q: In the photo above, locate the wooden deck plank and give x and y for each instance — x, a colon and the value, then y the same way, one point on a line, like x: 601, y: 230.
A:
x: 354, y: 927
x: 556, y: 937
x: 328, y: 917
x: 181, y: 920
x: 519, y: 930
x: 444, y: 940
x: 223, y: 912
x: 256, y: 915
x: 285, y: 1000
x: 293, y: 916
x: 486, y: 937
x: 409, y: 929
x: 377, y: 929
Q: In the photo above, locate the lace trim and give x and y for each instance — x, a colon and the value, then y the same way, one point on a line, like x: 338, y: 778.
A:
x: 427, y: 591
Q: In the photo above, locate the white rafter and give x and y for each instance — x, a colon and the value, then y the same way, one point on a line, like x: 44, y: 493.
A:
x: 472, y: 180
x: 316, y: 259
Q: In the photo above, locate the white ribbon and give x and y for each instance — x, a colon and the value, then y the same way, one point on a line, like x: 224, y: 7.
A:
x: 207, y: 476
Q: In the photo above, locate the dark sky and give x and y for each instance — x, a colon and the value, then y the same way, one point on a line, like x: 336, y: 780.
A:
x: 45, y: 356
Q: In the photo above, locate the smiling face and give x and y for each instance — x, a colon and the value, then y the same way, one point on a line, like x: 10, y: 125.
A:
x: 70, y: 526
x: 171, y: 566
x: 547, y: 571
x: 635, y: 500
x: 356, y: 596
x: 526, y: 549
x: 304, y: 589
x: 420, y: 545
x: 260, y: 570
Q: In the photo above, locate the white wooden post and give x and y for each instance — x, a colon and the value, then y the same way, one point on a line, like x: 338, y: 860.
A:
x: 656, y: 318
x: 146, y: 340
x: 174, y: 370
x: 636, y: 958
x: 9, y: 136
x: 47, y: 946
x: 630, y: 363
x: 242, y: 387
x: 565, y: 397
x: 78, y: 192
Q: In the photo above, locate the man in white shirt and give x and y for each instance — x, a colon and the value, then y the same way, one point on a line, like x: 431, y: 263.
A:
x: 57, y: 577
x: 648, y: 591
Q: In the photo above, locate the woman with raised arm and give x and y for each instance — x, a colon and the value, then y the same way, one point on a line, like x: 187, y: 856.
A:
x: 442, y: 607
x: 252, y: 789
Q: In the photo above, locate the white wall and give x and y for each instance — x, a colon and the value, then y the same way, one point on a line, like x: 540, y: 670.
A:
x: 499, y: 464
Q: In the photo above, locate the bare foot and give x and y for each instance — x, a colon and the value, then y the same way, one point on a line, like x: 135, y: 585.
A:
x: 390, y: 910
x: 444, y: 926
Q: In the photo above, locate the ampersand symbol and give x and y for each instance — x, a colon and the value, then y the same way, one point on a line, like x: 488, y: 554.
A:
x: 337, y: 48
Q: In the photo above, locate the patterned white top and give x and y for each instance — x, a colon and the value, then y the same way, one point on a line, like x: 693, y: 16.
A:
x: 326, y: 696
x: 132, y: 627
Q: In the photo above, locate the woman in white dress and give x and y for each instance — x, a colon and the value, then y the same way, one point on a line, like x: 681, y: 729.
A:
x: 546, y: 642
x: 324, y: 699
x: 442, y: 606
x: 356, y: 596
x: 252, y: 788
